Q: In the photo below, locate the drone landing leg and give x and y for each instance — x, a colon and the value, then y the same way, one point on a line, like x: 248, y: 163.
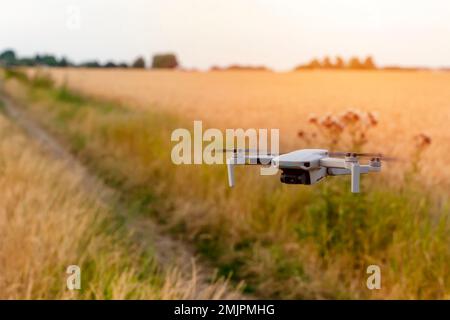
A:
x: 355, y: 175
x: 230, y: 167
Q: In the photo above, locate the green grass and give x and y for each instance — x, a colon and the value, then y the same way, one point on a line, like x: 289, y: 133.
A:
x: 68, y: 96
x: 12, y: 73
x: 284, y: 241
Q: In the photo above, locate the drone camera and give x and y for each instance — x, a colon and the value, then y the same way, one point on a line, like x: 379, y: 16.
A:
x: 295, y: 177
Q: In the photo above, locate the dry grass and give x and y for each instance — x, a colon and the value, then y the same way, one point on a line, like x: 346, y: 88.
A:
x: 48, y: 221
x: 407, y: 103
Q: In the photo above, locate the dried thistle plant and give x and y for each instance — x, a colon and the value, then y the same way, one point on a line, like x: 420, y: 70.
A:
x: 347, y: 130
x: 422, y: 142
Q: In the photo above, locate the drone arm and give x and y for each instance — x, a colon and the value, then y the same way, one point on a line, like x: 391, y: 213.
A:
x: 239, y: 159
x: 335, y: 163
x: 363, y: 169
x: 258, y: 159
x: 338, y: 166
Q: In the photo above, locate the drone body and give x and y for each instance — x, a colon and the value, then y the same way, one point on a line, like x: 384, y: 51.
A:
x: 307, y: 166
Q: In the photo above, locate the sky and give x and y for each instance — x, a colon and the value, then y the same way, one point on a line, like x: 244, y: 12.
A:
x: 279, y: 34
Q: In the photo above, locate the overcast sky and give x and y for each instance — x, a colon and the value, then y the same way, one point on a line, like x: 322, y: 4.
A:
x: 276, y: 33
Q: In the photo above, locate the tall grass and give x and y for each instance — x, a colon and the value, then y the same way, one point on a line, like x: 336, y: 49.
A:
x: 49, y: 220
x: 285, y: 241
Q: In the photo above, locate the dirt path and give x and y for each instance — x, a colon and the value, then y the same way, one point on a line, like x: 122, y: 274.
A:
x: 171, y: 254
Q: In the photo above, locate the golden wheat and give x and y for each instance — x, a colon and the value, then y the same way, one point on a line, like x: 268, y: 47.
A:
x: 406, y: 103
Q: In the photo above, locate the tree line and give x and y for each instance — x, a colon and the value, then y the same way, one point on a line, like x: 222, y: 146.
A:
x: 353, y: 63
x: 9, y: 58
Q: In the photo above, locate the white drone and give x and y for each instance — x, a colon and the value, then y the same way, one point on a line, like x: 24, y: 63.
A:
x: 308, y: 166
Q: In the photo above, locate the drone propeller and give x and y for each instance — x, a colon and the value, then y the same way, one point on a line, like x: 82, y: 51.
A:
x: 247, y: 151
x: 236, y: 150
x: 363, y: 155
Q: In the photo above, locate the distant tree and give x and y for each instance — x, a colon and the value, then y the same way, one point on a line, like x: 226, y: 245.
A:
x: 339, y: 63
x: 122, y: 65
x: 46, y: 60
x: 64, y: 62
x: 37, y: 59
x: 50, y: 60
x: 164, y: 61
x: 369, y: 63
x: 326, y: 64
x: 8, y: 58
x: 138, y: 63
x: 110, y: 64
x: 354, y: 63
x: 314, y: 64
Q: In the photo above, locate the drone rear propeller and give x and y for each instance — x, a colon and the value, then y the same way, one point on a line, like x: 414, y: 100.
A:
x: 363, y: 155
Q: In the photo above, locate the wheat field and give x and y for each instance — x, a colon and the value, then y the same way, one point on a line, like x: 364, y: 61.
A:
x: 282, y: 241
x: 406, y: 103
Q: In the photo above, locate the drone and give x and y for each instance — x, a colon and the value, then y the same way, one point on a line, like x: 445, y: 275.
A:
x: 308, y: 166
